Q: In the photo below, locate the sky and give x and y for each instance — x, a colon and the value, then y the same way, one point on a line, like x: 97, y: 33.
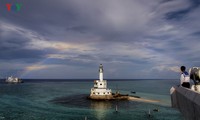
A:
x: 68, y: 39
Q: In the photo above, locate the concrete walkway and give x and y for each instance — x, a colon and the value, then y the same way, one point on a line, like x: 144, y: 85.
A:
x: 187, y: 101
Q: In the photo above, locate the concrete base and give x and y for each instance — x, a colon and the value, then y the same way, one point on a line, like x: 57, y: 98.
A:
x: 187, y: 101
x: 101, y: 97
x: 109, y: 97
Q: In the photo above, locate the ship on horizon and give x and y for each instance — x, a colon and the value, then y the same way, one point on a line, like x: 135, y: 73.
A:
x: 12, y: 79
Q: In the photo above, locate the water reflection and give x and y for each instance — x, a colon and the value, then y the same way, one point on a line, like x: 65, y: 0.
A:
x: 100, y: 105
x: 101, y: 108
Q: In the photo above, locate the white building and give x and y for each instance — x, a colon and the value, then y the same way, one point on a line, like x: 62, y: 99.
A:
x: 100, y: 91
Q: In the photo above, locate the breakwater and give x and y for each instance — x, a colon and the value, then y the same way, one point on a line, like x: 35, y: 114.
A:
x: 187, y: 101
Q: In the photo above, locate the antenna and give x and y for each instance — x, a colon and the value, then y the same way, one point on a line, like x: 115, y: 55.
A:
x: 149, y: 114
x: 116, y: 109
x: 117, y: 90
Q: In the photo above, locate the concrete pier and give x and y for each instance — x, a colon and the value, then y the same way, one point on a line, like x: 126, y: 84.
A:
x: 187, y: 101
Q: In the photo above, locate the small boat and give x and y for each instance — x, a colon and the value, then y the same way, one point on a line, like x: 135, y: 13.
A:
x: 12, y: 79
x: 133, y: 92
x: 156, y: 110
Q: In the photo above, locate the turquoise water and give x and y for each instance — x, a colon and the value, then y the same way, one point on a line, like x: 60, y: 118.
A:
x: 66, y: 100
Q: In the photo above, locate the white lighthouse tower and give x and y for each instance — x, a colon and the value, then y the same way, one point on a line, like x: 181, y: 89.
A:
x: 100, y: 91
x: 101, y: 73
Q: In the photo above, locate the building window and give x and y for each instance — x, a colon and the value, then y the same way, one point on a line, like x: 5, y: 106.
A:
x: 108, y: 92
x: 100, y: 84
x: 104, y: 93
x: 98, y: 92
x: 93, y: 92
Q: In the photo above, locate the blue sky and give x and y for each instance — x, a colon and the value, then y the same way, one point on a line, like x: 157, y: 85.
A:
x: 70, y: 38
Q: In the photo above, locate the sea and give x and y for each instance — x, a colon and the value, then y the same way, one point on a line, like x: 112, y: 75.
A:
x: 55, y: 99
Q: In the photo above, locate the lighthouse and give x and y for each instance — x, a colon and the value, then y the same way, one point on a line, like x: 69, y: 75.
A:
x: 100, y: 90
x: 101, y: 72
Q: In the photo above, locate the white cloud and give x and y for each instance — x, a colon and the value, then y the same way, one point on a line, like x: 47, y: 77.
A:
x: 57, y: 56
x: 123, y: 15
x: 175, y: 68
x: 36, y: 67
x: 163, y: 68
x: 37, y: 41
x: 61, y: 46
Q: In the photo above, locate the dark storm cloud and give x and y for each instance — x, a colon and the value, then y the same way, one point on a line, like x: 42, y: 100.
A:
x: 14, y: 72
x: 37, y: 15
x: 15, y: 46
x: 195, y: 33
x: 178, y: 15
x: 164, y: 1
x: 12, y: 44
x: 81, y: 29
x: 130, y: 34
x: 88, y: 59
x: 23, y: 54
x: 54, y: 19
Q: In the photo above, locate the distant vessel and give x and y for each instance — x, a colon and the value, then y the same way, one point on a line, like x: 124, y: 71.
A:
x: 12, y: 79
x: 133, y: 92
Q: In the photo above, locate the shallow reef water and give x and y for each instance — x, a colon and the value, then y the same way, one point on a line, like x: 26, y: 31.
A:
x: 67, y: 100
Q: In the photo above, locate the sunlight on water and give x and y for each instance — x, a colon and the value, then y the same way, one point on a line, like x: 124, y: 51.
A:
x: 100, y: 109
